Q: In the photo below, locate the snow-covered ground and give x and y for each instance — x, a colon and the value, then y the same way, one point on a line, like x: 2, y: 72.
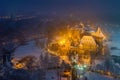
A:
x: 29, y: 49
x: 116, y: 40
x: 115, y: 43
x: 52, y: 75
x: 95, y: 76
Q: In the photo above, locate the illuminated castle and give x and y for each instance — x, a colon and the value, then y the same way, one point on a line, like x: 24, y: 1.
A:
x: 79, y: 40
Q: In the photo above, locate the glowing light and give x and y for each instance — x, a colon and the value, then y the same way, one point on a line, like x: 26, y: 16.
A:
x: 73, y: 40
x: 65, y: 58
x: 19, y: 66
x: 81, y: 76
x: 84, y: 66
x: 67, y: 73
x: 62, y: 42
x: 81, y: 68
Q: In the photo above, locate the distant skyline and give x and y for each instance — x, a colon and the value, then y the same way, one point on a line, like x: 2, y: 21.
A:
x: 87, y: 7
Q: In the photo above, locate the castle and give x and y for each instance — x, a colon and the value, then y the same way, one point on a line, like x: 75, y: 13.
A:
x: 81, y: 41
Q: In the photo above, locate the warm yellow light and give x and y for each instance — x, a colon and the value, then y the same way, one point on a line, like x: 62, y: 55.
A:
x: 18, y: 66
x: 78, y: 40
x: 67, y: 73
x: 62, y: 42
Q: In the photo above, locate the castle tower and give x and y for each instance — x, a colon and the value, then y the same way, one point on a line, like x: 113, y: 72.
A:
x: 100, y: 34
x: 88, y: 43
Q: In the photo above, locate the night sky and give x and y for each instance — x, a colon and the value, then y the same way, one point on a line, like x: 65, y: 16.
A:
x: 101, y: 8
x: 95, y: 7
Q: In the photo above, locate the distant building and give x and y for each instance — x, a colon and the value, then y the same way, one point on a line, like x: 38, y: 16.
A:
x: 88, y: 43
x: 79, y: 40
x: 98, y: 35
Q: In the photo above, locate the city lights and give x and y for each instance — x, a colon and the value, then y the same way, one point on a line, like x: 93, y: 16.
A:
x: 62, y: 42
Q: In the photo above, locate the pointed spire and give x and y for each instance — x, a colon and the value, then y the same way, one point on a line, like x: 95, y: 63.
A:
x: 100, y: 34
x: 82, y: 25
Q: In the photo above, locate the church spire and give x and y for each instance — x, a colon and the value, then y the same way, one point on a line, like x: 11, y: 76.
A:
x: 99, y: 33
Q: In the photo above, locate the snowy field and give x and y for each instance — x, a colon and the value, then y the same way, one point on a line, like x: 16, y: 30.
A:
x: 29, y: 49
x: 115, y: 43
x: 95, y: 76
x: 52, y: 75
